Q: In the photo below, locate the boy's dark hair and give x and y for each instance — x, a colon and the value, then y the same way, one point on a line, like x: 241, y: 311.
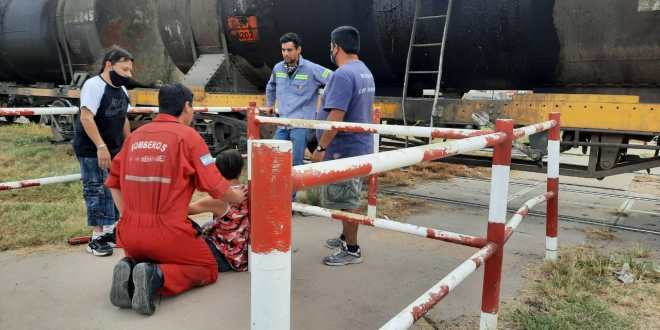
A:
x: 114, y: 55
x: 291, y: 37
x: 172, y: 98
x: 230, y: 164
x: 348, y: 38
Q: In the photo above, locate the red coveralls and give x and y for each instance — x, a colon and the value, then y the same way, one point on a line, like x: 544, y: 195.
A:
x: 157, y: 171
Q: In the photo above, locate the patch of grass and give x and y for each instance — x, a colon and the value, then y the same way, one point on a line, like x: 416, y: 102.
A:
x: 574, y: 312
x: 27, y: 154
x: 600, y: 234
x: 41, y: 215
x: 430, y: 171
x: 580, y: 291
x: 397, y: 207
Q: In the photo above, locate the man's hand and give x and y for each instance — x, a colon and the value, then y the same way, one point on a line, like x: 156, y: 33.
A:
x: 235, y: 195
x: 318, y: 156
x: 103, y: 156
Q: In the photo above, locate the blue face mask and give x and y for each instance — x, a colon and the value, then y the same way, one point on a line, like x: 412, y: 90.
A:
x: 333, y: 57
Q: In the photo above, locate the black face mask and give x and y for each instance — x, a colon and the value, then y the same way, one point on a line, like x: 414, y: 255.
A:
x: 118, y: 80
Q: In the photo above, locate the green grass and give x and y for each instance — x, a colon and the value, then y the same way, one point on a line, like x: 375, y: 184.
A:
x: 580, y: 292
x: 40, y: 215
x: 573, y: 312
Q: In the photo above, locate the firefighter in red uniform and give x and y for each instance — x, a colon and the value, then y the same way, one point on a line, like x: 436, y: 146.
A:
x: 152, y: 181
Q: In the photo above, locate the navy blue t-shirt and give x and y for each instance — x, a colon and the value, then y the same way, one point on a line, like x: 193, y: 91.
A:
x: 109, y: 106
x: 351, y: 89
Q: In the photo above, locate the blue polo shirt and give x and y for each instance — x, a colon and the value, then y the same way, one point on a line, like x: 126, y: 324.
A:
x: 296, y: 95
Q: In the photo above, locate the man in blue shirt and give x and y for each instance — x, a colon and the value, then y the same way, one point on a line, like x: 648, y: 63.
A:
x: 349, y: 96
x: 294, y: 84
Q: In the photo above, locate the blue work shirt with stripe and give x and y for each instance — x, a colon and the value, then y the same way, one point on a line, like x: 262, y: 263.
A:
x: 296, y: 95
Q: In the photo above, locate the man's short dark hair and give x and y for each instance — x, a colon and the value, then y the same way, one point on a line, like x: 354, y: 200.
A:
x: 172, y: 98
x: 291, y: 37
x: 114, y: 55
x: 346, y: 37
x: 230, y: 164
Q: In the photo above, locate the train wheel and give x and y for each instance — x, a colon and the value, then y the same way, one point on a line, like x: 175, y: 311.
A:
x: 11, y: 119
x: 62, y: 126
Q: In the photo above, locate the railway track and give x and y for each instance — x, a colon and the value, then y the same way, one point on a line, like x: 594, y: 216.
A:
x: 571, y: 187
x: 582, y: 220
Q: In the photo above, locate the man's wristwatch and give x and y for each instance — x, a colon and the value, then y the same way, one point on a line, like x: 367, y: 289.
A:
x: 319, y: 148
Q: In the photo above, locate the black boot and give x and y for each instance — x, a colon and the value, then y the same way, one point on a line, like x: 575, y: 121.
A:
x: 121, y: 291
x: 147, y: 279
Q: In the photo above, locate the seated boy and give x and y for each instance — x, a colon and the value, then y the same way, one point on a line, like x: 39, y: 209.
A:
x: 229, y: 230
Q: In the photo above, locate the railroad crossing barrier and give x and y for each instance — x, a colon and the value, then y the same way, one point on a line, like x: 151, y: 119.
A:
x: 272, y: 183
x: 272, y: 179
x: 39, y: 182
x: 47, y: 111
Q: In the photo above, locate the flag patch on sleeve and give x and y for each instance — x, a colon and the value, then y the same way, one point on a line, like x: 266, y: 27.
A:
x: 207, y: 160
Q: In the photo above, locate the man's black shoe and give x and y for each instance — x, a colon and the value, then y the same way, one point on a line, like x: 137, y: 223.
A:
x: 121, y: 292
x: 147, y: 279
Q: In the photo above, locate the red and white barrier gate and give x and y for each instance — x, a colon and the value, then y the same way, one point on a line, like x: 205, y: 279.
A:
x: 45, y: 111
x: 271, y: 185
x: 39, y: 182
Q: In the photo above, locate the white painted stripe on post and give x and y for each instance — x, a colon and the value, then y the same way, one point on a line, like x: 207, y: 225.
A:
x: 499, y: 190
x: 551, y: 247
x: 371, y: 211
x: 270, y: 302
x: 488, y: 321
x: 551, y: 243
x: 553, y: 159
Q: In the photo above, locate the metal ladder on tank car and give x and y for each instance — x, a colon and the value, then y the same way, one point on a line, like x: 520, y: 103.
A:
x: 414, y: 45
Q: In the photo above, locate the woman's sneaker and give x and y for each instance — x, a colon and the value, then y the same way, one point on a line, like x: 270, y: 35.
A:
x: 99, y: 248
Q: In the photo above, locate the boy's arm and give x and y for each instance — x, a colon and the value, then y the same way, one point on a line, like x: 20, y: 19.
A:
x: 208, y: 204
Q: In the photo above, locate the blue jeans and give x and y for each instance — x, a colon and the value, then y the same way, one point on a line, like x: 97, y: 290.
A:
x: 101, y: 209
x: 298, y: 137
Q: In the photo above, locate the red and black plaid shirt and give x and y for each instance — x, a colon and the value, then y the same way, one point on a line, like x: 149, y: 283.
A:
x: 231, y: 234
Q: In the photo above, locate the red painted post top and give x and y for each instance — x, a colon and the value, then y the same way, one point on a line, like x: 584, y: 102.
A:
x: 502, y: 154
x: 270, y: 196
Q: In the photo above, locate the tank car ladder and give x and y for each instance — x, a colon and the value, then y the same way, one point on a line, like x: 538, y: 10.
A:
x: 414, y: 45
